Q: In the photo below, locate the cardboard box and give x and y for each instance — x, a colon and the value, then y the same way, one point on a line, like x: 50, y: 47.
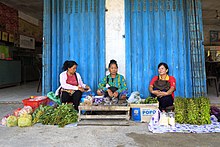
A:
x: 143, y: 112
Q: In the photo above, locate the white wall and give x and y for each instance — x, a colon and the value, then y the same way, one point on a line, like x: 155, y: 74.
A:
x: 115, y: 29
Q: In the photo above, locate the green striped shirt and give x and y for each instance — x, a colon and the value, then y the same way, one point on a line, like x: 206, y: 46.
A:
x: 118, y: 81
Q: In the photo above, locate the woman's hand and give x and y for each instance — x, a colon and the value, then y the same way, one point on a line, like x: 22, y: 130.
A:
x: 115, y: 94
x: 156, y: 92
x: 110, y: 93
x: 87, y: 88
x: 162, y: 93
x: 169, y: 92
x: 81, y: 89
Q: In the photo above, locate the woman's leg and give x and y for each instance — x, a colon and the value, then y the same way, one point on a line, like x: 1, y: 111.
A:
x: 65, y: 97
x: 76, y: 97
x: 164, y: 102
x: 123, y: 95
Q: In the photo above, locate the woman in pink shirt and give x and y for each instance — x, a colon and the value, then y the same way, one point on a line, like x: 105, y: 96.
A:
x: 72, y: 86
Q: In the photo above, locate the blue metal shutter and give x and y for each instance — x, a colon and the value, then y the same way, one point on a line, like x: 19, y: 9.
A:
x: 156, y: 32
x: 73, y: 30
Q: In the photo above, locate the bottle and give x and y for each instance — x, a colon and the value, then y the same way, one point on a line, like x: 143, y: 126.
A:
x: 171, y: 119
x: 163, y: 119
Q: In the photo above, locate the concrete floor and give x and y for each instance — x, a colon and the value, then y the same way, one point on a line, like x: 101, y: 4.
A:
x: 135, y: 135
x: 18, y: 93
x: 212, y: 95
x: 101, y: 136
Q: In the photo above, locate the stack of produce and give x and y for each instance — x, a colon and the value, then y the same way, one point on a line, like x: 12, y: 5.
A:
x: 150, y: 100
x: 180, y: 110
x: 40, y: 114
x: 192, y: 114
x: 204, y: 110
x: 192, y: 110
x: 21, y: 117
x: 62, y: 115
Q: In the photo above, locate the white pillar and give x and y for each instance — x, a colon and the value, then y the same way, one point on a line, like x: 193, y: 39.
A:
x: 115, y: 29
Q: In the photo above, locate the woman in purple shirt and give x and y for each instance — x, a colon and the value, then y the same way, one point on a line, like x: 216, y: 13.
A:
x: 72, y: 86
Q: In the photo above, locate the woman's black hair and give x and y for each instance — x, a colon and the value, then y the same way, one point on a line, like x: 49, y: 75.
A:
x: 165, y: 65
x: 68, y: 64
x: 112, y: 62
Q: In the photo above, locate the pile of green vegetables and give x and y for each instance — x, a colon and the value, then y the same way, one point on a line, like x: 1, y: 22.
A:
x: 150, y: 100
x: 62, y: 115
x: 192, y: 110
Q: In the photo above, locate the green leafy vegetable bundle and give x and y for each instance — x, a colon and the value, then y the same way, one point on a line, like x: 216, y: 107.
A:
x: 38, y: 113
x: 150, y: 100
x: 204, y: 111
x: 62, y: 115
x: 192, y: 110
x: 180, y: 111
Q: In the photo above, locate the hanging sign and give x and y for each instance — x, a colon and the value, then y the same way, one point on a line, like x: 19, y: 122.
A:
x: 27, y: 42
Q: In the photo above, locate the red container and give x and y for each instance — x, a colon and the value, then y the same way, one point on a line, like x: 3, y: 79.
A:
x: 36, y: 101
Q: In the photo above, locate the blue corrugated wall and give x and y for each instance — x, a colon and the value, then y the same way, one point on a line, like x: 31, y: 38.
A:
x: 73, y: 30
x: 156, y: 31
x: 161, y: 31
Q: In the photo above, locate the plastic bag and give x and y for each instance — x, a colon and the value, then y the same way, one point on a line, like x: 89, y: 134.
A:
x: 4, y: 120
x: 25, y: 120
x: 25, y: 110
x: 215, y: 111
x: 134, y: 97
x: 51, y: 95
x: 16, y: 112
x: 12, y: 121
x: 88, y: 100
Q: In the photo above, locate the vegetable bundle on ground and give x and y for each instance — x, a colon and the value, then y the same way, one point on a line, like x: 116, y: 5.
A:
x: 192, y: 110
x: 180, y: 110
x: 62, y: 115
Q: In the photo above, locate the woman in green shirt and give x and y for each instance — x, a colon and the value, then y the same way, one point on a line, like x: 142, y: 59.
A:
x: 114, y: 84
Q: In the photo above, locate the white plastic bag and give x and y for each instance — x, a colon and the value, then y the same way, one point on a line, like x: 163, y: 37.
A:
x: 88, y: 101
x: 134, y: 97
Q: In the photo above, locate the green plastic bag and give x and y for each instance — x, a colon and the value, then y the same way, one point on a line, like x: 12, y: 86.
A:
x: 12, y: 121
x: 25, y: 120
x: 51, y: 95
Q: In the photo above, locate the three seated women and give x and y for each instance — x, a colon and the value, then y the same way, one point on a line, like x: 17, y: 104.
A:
x: 113, y: 86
